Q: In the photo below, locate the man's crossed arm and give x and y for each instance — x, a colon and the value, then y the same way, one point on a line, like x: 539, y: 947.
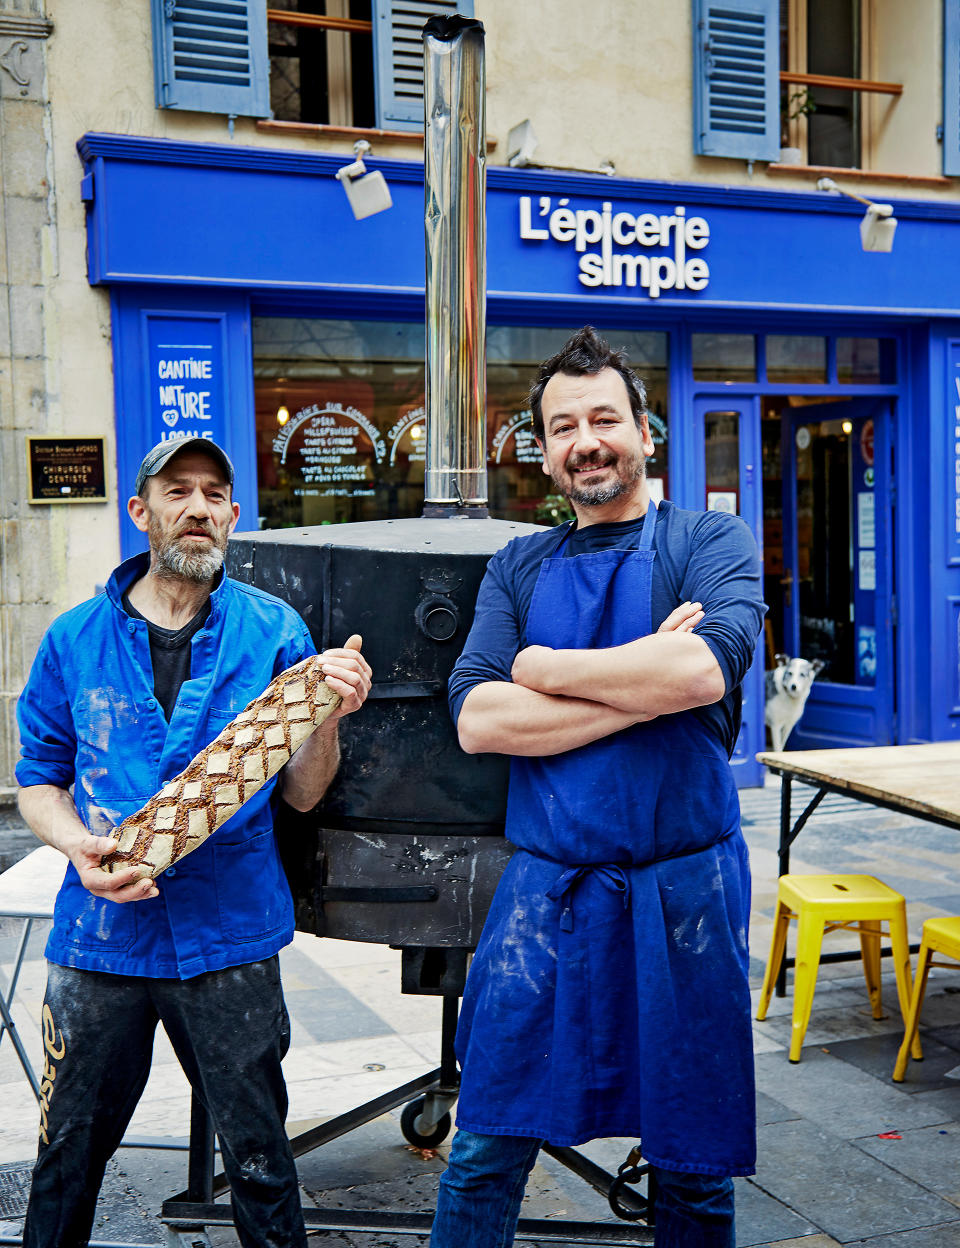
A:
x: 562, y: 699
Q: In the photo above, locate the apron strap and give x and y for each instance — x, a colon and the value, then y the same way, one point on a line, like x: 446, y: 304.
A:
x: 649, y: 524
x: 612, y: 876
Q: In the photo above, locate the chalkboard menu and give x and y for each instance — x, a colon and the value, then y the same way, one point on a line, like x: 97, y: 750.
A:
x: 66, y: 470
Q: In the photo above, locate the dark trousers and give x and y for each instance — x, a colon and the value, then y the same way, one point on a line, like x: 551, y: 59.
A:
x: 229, y: 1030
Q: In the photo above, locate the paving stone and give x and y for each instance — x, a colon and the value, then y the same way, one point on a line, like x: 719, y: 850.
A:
x: 928, y: 1156
x: 121, y: 1216
x: 827, y: 1027
x: 374, y: 1152
x: 761, y: 1217
x: 839, y: 1188
x: 322, y: 1007
x: 808, y: 1241
x: 876, y: 1055
x: 945, y: 1236
x: 770, y: 1110
x: 836, y: 1096
x: 946, y: 1103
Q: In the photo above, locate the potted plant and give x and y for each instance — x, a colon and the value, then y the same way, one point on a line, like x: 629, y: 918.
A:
x: 793, y: 106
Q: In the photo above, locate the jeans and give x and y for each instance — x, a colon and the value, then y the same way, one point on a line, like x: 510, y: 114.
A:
x: 229, y: 1029
x: 480, y: 1193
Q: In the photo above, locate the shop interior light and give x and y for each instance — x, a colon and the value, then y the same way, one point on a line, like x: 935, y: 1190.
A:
x: 847, y: 426
x: 367, y: 193
x: 878, y: 225
x: 283, y: 414
x: 416, y: 432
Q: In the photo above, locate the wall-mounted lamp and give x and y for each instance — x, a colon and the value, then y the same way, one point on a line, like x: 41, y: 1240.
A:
x: 522, y: 142
x: 878, y: 225
x: 367, y: 192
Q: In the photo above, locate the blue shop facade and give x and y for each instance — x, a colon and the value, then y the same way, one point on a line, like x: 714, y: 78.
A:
x: 807, y: 385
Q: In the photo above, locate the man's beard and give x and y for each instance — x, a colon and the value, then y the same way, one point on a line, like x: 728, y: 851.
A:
x: 629, y: 471
x: 171, y: 559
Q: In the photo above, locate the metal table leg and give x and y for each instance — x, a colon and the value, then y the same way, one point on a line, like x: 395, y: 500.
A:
x: 6, y: 1006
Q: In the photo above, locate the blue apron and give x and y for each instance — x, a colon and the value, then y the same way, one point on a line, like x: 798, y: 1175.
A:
x: 608, y: 995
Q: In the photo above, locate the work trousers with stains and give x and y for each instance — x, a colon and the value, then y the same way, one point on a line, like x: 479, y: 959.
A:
x: 229, y: 1030
x: 482, y: 1187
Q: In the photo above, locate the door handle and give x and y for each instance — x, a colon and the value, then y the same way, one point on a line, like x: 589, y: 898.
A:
x: 787, y: 582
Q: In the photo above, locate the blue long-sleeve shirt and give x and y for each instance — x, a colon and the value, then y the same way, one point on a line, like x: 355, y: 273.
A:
x: 89, y: 718
x: 702, y: 556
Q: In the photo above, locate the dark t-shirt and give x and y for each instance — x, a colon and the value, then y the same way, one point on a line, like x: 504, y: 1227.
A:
x: 702, y: 556
x: 169, y: 654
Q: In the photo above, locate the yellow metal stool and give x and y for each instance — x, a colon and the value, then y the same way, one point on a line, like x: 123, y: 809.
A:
x: 822, y: 903
x: 939, y: 936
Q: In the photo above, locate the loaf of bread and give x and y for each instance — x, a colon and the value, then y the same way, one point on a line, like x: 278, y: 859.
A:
x: 252, y: 748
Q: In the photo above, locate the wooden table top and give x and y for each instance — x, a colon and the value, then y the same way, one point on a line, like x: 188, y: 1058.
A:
x: 923, y: 780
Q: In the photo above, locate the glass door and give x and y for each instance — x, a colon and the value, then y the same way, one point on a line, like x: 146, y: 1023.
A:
x: 727, y: 478
x: 833, y: 598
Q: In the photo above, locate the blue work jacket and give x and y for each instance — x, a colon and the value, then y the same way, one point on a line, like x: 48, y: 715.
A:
x: 88, y: 718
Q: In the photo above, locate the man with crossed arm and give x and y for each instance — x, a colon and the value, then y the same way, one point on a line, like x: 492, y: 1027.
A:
x: 608, y: 995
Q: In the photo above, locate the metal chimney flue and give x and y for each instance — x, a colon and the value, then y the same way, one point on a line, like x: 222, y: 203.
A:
x: 455, y: 229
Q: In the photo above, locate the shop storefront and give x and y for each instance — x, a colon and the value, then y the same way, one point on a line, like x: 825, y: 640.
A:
x: 794, y: 379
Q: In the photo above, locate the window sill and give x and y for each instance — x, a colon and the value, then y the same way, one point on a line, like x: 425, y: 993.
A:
x: 861, y: 175
x: 339, y: 132
x: 350, y: 133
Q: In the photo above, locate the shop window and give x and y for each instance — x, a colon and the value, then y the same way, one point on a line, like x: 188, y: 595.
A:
x: 519, y: 490
x: 340, y: 421
x: 337, y: 62
x: 796, y: 358
x: 866, y: 361
x: 724, y: 357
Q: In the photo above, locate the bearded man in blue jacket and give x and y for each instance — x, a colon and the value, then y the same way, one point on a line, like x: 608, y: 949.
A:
x: 124, y: 691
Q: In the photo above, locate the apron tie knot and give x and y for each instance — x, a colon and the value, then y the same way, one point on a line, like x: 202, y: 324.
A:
x: 612, y: 876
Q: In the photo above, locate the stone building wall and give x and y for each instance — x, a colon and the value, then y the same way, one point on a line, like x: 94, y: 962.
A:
x: 30, y: 537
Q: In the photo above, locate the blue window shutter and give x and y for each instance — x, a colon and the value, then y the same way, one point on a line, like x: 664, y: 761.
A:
x: 211, y: 56
x: 736, y: 78
x: 951, y: 88
x: 398, y: 56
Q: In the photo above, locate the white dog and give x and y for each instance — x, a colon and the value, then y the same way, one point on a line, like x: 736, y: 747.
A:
x: 787, y: 689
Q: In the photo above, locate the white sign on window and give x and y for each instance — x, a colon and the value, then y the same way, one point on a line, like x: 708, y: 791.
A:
x: 868, y: 570
x: 866, y: 520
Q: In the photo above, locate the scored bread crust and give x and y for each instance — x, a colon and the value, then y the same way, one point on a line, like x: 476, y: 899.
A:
x: 252, y: 748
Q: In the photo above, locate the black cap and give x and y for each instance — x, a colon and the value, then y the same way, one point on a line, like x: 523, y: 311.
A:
x: 163, y: 452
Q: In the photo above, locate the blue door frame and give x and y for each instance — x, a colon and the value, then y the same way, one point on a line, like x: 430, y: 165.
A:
x: 742, y: 414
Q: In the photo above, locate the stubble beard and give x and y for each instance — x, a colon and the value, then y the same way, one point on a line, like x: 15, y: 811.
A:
x: 171, y: 560
x: 629, y: 472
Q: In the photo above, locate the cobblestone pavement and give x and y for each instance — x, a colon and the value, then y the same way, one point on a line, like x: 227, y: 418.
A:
x: 845, y: 1155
